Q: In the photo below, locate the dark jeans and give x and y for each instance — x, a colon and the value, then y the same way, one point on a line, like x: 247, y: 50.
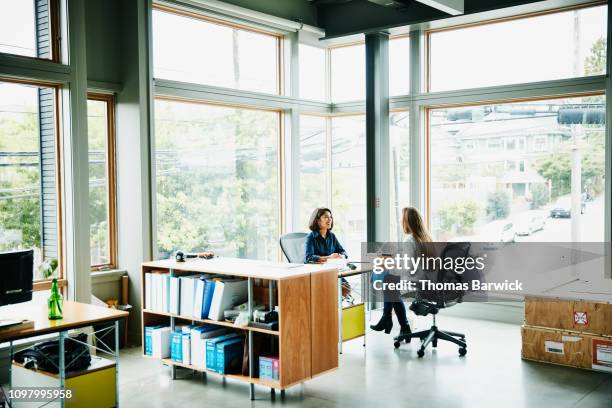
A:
x: 394, y: 302
x: 400, y: 312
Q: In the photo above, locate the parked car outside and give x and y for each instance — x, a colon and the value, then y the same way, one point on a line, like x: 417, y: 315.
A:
x: 529, y: 222
x: 562, y: 208
x: 498, y: 231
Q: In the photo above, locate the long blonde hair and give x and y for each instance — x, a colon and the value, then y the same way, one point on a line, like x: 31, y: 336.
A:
x: 412, y: 223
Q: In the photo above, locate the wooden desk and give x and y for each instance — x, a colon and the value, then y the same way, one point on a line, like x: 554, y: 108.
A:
x: 308, y: 319
x: 76, y: 315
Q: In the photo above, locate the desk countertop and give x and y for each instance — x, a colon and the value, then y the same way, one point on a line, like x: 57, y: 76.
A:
x: 76, y: 315
x: 248, y: 268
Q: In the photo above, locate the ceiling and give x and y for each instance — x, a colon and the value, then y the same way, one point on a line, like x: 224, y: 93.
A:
x: 345, y: 17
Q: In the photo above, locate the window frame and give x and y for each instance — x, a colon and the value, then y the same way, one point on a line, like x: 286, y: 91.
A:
x: 428, y: 34
x: 54, y: 34
x: 280, y: 157
x: 329, y: 49
x: 427, y: 133
x: 280, y: 80
x: 111, y: 169
x: 45, y: 284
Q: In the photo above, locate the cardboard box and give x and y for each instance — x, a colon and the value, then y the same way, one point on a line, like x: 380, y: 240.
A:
x: 593, y: 317
x: 567, y: 348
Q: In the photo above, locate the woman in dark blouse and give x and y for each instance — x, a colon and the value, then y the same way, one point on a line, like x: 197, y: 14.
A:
x: 321, y: 244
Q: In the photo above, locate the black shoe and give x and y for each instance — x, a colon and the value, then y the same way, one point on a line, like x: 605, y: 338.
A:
x: 405, y: 330
x: 385, y: 323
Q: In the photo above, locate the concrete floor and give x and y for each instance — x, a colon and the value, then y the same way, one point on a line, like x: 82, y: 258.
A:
x: 491, y: 375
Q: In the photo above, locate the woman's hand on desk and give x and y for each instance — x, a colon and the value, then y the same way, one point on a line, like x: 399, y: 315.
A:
x: 333, y: 256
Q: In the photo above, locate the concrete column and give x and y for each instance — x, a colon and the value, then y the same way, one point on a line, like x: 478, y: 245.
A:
x: 377, y: 136
x: 76, y: 164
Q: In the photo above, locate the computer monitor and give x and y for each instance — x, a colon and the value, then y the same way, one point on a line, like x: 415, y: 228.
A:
x: 16, y: 275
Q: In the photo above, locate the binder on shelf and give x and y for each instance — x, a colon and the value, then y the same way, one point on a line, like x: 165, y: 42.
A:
x: 148, y: 285
x: 268, y: 368
x: 275, y: 369
x: 227, y: 294
x: 229, y: 355
x: 161, y: 342
x: 199, y: 298
x: 165, y: 306
x: 148, y: 333
x: 186, y: 348
x: 199, y: 335
x: 211, y: 349
x: 187, y: 295
x: 154, y: 291
x: 176, y: 344
x: 209, y: 290
x: 175, y: 294
x: 157, y: 292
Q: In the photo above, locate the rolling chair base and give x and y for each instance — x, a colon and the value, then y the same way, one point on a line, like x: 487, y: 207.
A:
x: 432, y: 336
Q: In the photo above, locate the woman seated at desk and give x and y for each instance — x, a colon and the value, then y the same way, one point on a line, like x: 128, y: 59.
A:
x: 415, y: 241
x: 321, y: 244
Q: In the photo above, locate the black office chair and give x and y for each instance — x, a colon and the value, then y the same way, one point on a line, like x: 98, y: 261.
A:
x: 430, y: 302
x: 292, y: 245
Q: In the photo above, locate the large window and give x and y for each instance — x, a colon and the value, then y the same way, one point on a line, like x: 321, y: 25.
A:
x: 188, y: 48
x: 25, y: 28
x: 100, y: 127
x: 552, y: 46
x: 481, y: 190
x: 399, y: 66
x: 348, y: 73
x: 348, y: 158
x: 28, y: 183
x: 313, y: 166
x: 217, y: 179
x: 312, y: 73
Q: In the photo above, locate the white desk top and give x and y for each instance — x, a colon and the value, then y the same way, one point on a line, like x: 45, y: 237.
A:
x: 248, y: 268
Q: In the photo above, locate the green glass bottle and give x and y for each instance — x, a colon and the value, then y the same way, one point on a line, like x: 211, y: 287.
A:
x: 55, y: 302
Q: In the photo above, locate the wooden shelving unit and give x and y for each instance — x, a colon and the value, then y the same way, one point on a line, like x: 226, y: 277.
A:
x: 306, y: 297
x: 257, y: 381
x: 216, y: 322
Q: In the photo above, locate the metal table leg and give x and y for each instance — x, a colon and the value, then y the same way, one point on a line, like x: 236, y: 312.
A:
x: 364, y: 299
x: 10, y: 379
x: 251, y: 362
x: 116, y: 363
x: 340, y: 315
x: 62, y: 366
x: 172, y: 328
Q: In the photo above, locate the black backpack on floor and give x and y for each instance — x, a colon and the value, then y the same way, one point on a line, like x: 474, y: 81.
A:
x: 45, y: 355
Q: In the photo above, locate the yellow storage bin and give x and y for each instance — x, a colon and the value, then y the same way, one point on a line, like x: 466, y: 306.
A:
x: 91, y: 388
x: 353, y: 322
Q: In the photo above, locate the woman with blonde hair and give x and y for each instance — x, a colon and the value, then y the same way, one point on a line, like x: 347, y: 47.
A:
x: 416, y: 242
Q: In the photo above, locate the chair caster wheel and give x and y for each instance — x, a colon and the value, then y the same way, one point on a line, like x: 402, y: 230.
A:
x: 462, y: 351
x: 408, y: 340
x: 420, y: 353
x: 434, y: 344
x: 396, y: 344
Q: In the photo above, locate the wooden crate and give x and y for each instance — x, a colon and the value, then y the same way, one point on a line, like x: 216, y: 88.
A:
x: 592, y: 317
x: 567, y: 348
